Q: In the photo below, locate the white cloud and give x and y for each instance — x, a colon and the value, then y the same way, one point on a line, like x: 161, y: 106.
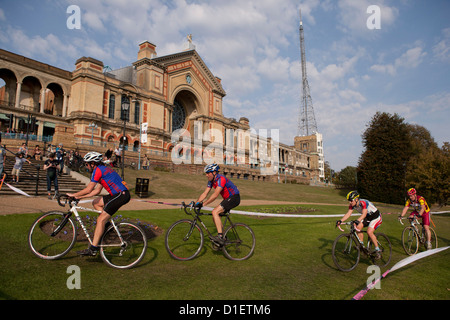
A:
x: 412, y: 58
x: 441, y: 50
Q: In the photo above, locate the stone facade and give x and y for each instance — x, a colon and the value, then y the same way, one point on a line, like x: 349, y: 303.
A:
x: 176, y: 93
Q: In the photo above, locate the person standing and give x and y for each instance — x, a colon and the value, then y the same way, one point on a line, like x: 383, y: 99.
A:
x: 51, y: 165
x: 20, y: 160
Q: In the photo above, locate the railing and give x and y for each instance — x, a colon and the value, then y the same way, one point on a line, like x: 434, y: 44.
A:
x: 22, y: 136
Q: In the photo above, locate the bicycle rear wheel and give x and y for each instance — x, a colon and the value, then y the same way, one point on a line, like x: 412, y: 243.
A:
x: 124, y: 249
x: 239, y: 242
x: 52, y: 235
x: 345, y: 252
x: 410, y: 241
x: 386, y: 250
x: 184, y: 240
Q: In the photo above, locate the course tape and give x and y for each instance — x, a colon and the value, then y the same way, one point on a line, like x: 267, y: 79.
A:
x: 398, y: 265
x: 17, y: 190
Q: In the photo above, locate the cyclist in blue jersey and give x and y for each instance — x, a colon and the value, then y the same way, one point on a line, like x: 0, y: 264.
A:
x: 226, y: 189
x: 102, y: 177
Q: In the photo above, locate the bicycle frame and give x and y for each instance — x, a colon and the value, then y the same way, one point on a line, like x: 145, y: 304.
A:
x: 74, y: 210
x: 197, y: 218
x: 354, y: 237
x: 414, y: 223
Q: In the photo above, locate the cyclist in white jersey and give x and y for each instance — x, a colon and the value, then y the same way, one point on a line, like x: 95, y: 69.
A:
x: 370, y: 216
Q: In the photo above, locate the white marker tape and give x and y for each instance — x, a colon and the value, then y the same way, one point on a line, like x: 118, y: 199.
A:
x: 398, y: 265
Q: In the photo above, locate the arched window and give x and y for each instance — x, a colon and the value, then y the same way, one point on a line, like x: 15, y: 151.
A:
x: 178, y: 116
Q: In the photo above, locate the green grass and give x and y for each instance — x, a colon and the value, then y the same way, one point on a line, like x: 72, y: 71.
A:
x: 292, y: 261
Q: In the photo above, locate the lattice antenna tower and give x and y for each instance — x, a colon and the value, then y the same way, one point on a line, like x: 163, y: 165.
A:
x: 306, y: 121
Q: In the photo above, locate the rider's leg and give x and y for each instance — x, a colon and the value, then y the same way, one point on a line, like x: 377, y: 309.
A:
x: 216, y: 218
x: 102, y: 219
x: 373, y: 238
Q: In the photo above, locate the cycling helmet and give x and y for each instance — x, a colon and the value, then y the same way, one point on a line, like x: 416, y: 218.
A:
x: 352, y: 195
x: 411, y: 192
x: 211, y: 168
x: 93, y: 157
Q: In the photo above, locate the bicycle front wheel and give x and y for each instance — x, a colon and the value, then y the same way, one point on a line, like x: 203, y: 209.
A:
x: 410, y: 241
x: 239, y: 242
x: 52, y: 235
x: 184, y: 240
x: 345, y: 252
x: 386, y: 250
x: 434, y: 240
x: 125, y: 247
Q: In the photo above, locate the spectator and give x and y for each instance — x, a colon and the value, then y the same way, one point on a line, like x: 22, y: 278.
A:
x: 37, y: 153
x: 109, y: 153
x: 118, y: 153
x: 52, y: 167
x: 60, y: 157
x: 2, y: 158
x: 24, y: 149
x: 18, y: 166
x: 146, y: 163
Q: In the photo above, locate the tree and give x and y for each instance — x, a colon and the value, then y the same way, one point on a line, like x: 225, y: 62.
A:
x: 429, y: 172
x: 346, y: 178
x: 382, y: 166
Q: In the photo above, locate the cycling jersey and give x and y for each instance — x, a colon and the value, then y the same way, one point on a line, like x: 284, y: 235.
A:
x: 372, y: 211
x: 109, y: 179
x: 229, y: 188
x: 417, y: 204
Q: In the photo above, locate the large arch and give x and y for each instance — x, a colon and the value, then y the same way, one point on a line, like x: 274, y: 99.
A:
x: 8, y: 88
x: 185, y: 105
x: 54, y: 99
x: 30, y: 94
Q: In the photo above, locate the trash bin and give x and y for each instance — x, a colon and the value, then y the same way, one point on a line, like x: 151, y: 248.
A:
x: 141, y: 189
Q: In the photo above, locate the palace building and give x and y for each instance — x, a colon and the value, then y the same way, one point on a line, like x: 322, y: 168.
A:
x: 140, y: 107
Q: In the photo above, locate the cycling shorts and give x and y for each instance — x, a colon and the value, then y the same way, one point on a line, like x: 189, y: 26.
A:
x: 112, y: 203
x: 425, y: 217
x: 231, y: 202
x: 374, y: 223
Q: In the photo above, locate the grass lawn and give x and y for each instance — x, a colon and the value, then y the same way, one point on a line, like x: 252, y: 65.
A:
x: 292, y: 261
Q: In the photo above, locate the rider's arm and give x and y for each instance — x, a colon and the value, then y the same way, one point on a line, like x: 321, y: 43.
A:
x: 347, y: 215
x: 204, y: 194
x: 90, y: 187
x: 214, y: 196
x: 405, y: 209
x: 93, y: 193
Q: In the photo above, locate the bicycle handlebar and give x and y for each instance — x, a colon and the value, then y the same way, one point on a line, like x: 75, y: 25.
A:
x: 190, y: 206
x: 70, y: 200
x: 351, y: 223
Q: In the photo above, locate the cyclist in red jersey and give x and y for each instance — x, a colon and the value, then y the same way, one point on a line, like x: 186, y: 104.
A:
x: 421, y: 209
x: 226, y: 189
x: 109, y: 204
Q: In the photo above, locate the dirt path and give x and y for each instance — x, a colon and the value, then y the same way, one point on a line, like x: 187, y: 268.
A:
x: 19, y: 204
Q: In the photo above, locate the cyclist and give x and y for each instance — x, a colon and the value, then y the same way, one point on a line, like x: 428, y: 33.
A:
x: 370, y: 217
x: 421, y: 209
x: 226, y: 189
x: 108, y: 205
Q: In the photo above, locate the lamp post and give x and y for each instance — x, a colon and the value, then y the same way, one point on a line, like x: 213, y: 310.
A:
x: 125, y: 109
x: 93, y: 126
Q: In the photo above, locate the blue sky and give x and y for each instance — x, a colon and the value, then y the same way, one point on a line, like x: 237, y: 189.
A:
x: 253, y: 46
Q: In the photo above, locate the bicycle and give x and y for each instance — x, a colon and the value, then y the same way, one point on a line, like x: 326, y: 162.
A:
x: 184, y: 238
x: 347, y: 249
x: 412, y: 238
x: 53, y: 235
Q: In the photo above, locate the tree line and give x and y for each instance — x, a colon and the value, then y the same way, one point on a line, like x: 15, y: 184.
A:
x: 398, y: 156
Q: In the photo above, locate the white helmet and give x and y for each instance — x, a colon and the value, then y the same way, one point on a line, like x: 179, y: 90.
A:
x: 93, y: 157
